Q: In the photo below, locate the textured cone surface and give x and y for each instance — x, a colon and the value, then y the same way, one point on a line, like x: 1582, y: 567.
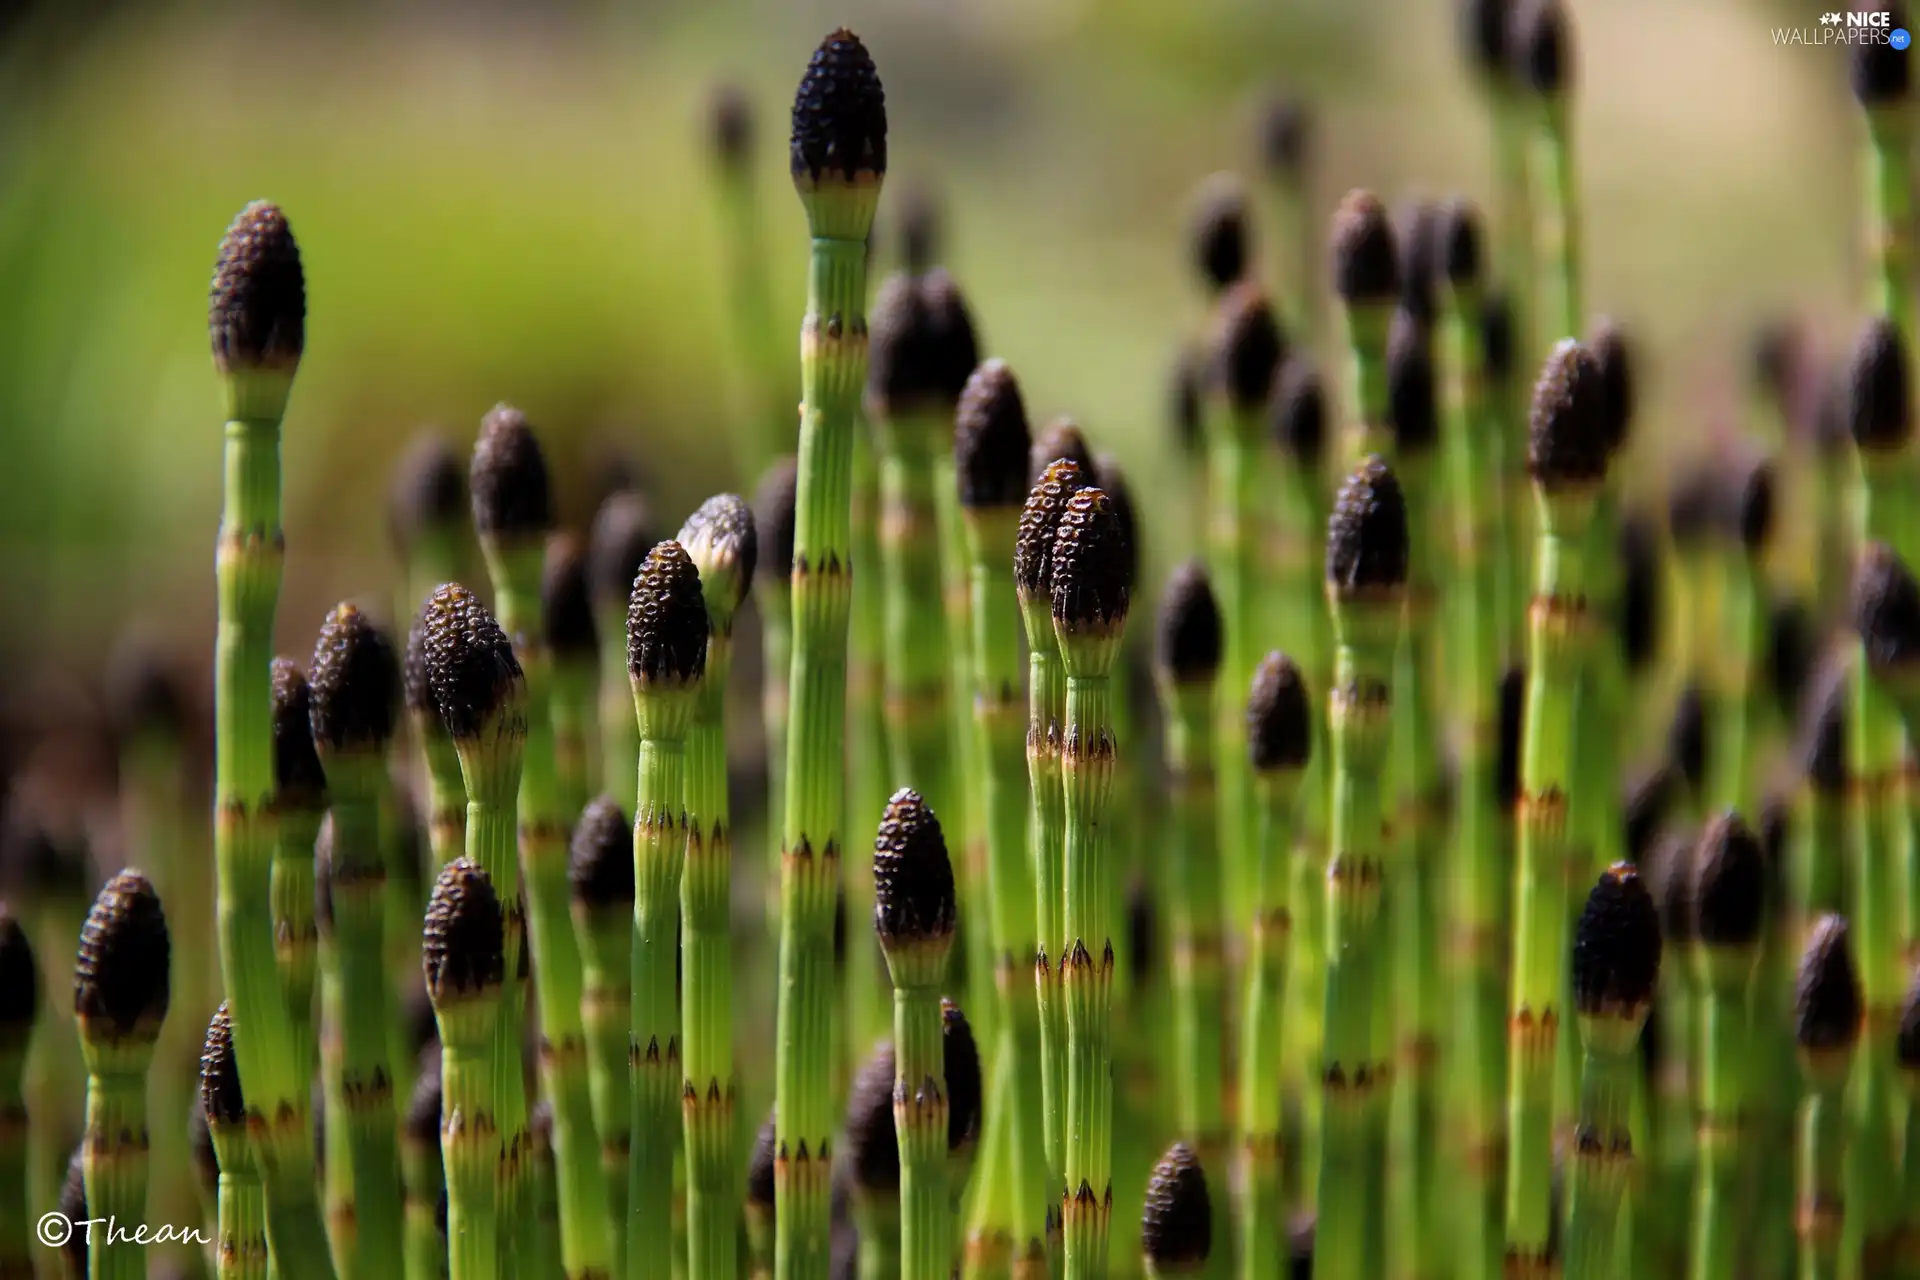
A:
x: 720, y: 538
x: 463, y: 944
x: 913, y: 892
x: 121, y: 974
x: 1828, y: 1004
x: 1176, y: 1225
x: 991, y: 438
x: 1061, y: 438
x: 471, y: 667
x: 355, y: 682
x: 1279, y: 716
x: 1569, y: 434
x: 220, y: 1096
x: 1040, y: 523
x: 1616, y: 945
x: 298, y: 780
x: 839, y: 112
x: 600, y: 865
x: 511, y: 493
x: 257, y: 314
x: 1188, y: 640
x: 667, y: 618
x: 1091, y: 562
x: 1366, y: 262
x: 1367, y: 532
x: 1299, y: 412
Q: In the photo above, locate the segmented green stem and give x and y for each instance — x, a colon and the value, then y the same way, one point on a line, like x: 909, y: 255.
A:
x: 241, y: 1234
x: 470, y: 1146
x: 1719, y: 1217
x: 1601, y: 1163
x: 1356, y: 1064
x: 573, y: 705
x: 868, y: 999
x: 710, y: 1087
x: 1555, y: 204
x: 605, y: 935
x: 1559, y: 642
x: 775, y: 592
x: 116, y: 1160
x: 1820, y: 1159
x: 920, y: 1127
x: 1046, y: 819
x: 296, y: 939
x: 1890, y: 214
x: 619, y: 734
x: 250, y: 552
x: 1235, y: 477
x: 833, y: 368
x: 765, y: 432
x: 424, y: 1183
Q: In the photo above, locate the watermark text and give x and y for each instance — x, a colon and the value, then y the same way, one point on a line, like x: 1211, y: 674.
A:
x: 56, y: 1229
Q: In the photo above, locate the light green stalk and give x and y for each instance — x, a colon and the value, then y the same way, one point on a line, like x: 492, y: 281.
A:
x: 296, y: 938
x: 1276, y: 793
x: 1603, y: 1159
x: 424, y: 1182
x: 249, y: 558
x: 833, y: 369
x: 1561, y: 637
x: 115, y: 1146
x: 515, y: 565
x: 868, y: 1011
x: 920, y: 1111
x: 773, y: 585
x: 1554, y: 199
x: 605, y: 934
x: 363, y: 1162
x: 1350, y: 1242
x: 877, y: 1215
x: 573, y: 707
x: 1726, y: 979
x: 543, y: 1187
x: 446, y: 790
x: 1820, y: 1157
x: 766, y: 430
x: 1890, y: 213
x: 241, y: 1233
x: 470, y: 1145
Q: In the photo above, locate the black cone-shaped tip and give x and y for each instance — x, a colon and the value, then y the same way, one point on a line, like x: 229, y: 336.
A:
x: 1366, y: 263
x: 1791, y: 649
x: 1640, y: 587
x: 1614, y: 352
x: 1821, y: 736
x: 623, y: 533
x: 1496, y: 338
x: 1040, y: 522
x: 1483, y: 34
x: 421, y: 1123
x: 1878, y: 414
x: 1460, y: 249
x: 1570, y: 427
x: 1218, y: 231
x: 1877, y: 71
x: 773, y: 516
x: 1616, y: 946
x: 1885, y: 605
x: 1828, y: 1005
x: 120, y: 978
x: 1286, y: 136
x: 960, y: 1063
x: 463, y: 946
x: 257, y: 314
x: 1729, y: 888
x: 730, y: 126
x: 1176, y: 1224
x: 220, y: 1096
x: 1299, y: 413
x: 1413, y: 403
x: 600, y: 859
x: 1188, y: 639
x: 724, y: 544
x: 566, y: 605
x: 1367, y: 532
x: 1092, y: 560
x: 1279, y: 716
x: 1906, y: 1044
x: 299, y: 782
x: 471, y: 667
x: 667, y: 618
x: 143, y: 693
x: 1183, y: 398
x: 923, y: 347
x: 1749, y: 513
x: 1649, y: 801
x: 1420, y: 262
x: 19, y: 982
x: 991, y: 438
x: 512, y: 496
x: 1513, y: 723
x: 1542, y: 47
x: 913, y: 892
x: 429, y: 490
x: 1687, y: 743
x: 355, y: 683
x: 839, y: 113
x: 760, y: 1176
x: 1060, y: 438
x: 872, y: 1149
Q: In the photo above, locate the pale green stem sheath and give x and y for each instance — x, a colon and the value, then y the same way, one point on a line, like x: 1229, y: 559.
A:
x: 605, y: 934
x: 1046, y: 710
x: 469, y: 1142
x: 869, y: 1013
x: 296, y: 938
x: 1820, y: 1157
x: 1603, y: 1158
x: 920, y: 1123
x: 116, y: 1159
x: 1726, y: 1044
x: 242, y: 1241
x: 1235, y: 476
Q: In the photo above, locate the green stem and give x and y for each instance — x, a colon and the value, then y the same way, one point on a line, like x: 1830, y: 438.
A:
x: 1719, y: 1217
x: 1235, y: 476
x: 296, y: 937
x: 1890, y: 228
x: 573, y: 705
x: 833, y: 367
x: 619, y: 734
x: 1603, y: 1159
x: 469, y: 1142
x: 659, y: 855
x: 116, y: 1164
x: 877, y: 1215
x: 605, y: 934
x: 869, y: 1014
x: 424, y: 1182
x: 766, y: 431
x: 1556, y: 226
x: 243, y: 1227
x: 920, y: 1127
x: 1046, y: 709
x: 1819, y: 1165
x: 776, y: 661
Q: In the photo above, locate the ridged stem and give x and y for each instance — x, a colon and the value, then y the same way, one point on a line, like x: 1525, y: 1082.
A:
x: 1234, y: 528
x: 869, y: 1012
x: 1821, y: 1211
x: 1719, y: 1216
x: 423, y: 1182
x: 469, y: 1139
x: 1046, y: 713
x: 1555, y: 202
x: 605, y: 934
x: 296, y: 939
x: 574, y: 706
x: 619, y: 733
x: 876, y: 1215
x: 833, y: 368
x: 1602, y: 1160
x: 116, y: 1161
x: 659, y: 857
x: 775, y: 594
x: 1890, y: 215
x: 766, y: 430
x: 243, y: 1226
x: 920, y: 1127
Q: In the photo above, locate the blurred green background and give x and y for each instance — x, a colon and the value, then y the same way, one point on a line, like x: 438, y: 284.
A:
x: 500, y: 201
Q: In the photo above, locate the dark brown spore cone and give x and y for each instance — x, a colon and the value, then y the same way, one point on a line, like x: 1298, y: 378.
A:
x: 1111, y: 478
x: 1687, y: 744
x: 1750, y: 507
x: 1878, y: 414
x: 1877, y: 71
x: 355, y: 683
x: 1616, y: 946
x: 1367, y: 532
x: 1640, y: 585
x: 1279, y: 716
x: 1729, y: 888
x: 19, y: 983
x: 760, y: 1168
x: 1040, y: 522
x: 913, y: 893
x: 922, y: 347
x: 1219, y: 233
x: 1176, y: 1224
x: 872, y: 1148
x: 512, y: 496
x: 220, y: 1095
x: 1907, y: 1040
x: 1792, y: 642
x: 429, y: 491
x: 839, y: 113
x: 1413, y: 405
x: 622, y: 535
x: 299, y: 782
x: 1286, y: 133
x: 1648, y: 803
x: 1886, y: 611
x: 1569, y: 430
x: 1483, y: 34
x: 1299, y: 413
x: 1183, y: 398
x: 960, y: 1063
x: 1614, y: 353
x: 1247, y: 348
x: 1420, y: 263
x: 421, y: 1124
x: 463, y: 946
x: 1061, y: 438
x: 1542, y: 47
x: 773, y: 515
x: 1821, y: 734
x: 1459, y: 240
x: 415, y: 690
x: 667, y: 618
x: 1188, y: 640
x: 1828, y: 1005
x: 143, y: 692
x: 600, y: 861
x: 1507, y: 750
x: 1366, y: 262
x: 991, y: 439
x: 120, y: 979
x: 257, y: 314
x: 1496, y: 338
x: 1694, y: 506
x: 730, y: 127
x: 1092, y: 562
x: 471, y: 667
x: 566, y: 605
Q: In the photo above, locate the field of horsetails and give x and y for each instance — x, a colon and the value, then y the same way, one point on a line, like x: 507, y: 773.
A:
x: 1485, y: 855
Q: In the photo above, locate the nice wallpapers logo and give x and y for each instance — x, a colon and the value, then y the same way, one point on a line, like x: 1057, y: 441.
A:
x: 1846, y: 28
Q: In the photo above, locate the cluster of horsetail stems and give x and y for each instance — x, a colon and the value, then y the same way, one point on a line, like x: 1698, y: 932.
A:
x: 241, y: 1239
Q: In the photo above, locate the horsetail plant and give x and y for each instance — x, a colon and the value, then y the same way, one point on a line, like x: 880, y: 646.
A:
x: 1829, y: 1008
x: 19, y: 1009
x: 1279, y: 745
x: 257, y: 324
x: 1286, y: 145
x: 121, y: 984
x: 838, y: 159
x: 991, y: 439
x: 422, y: 1176
x: 621, y: 537
x: 300, y: 804
x: 1616, y: 964
x: 759, y: 1204
x: 428, y: 516
x: 873, y: 1163
x: 544, y: 1188
x: 1218, y: 234
x: 355, y: 685
x: 1177, y: 1218
x: 914, y: 916
x: 600, y: 872
x: 463, y: 956
x: 242, y: 1232
x: 1727, y: 892
x: 960, y: 1056
x: 721, y: 541
x: 566, y: 607
x: 1881, y: 85
x: 445, y: 791
x: 1090, y: 595
x: 1567, y: 458
x: 773, y: 521
x: 1540, y: 45
x: 481, y: 692
x: 1366, y: 577
x: 731, y: 142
